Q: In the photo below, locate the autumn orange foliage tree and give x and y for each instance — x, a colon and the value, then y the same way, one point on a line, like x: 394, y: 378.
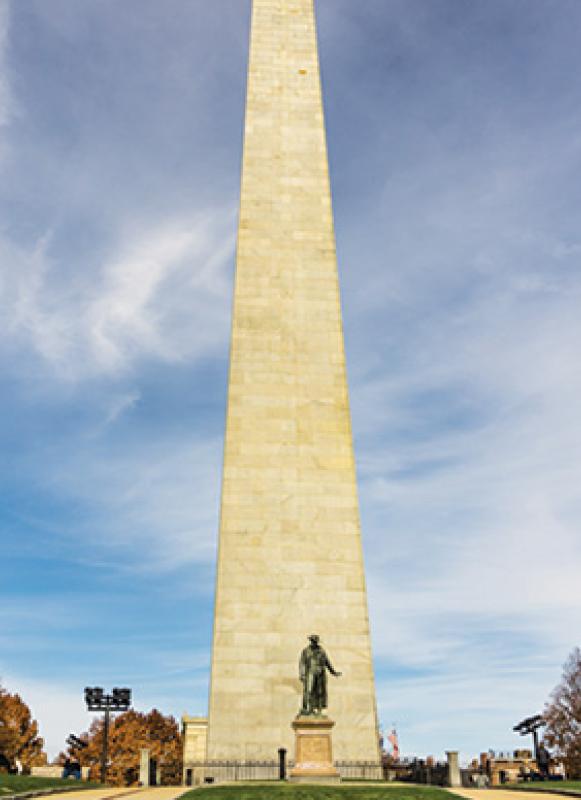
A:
x: 128, y: 733
x: 19, y: 737
x: 563, y: 716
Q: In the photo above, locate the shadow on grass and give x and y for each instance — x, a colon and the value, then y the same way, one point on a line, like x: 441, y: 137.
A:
x: 305, y: 792
x: 13, y: 784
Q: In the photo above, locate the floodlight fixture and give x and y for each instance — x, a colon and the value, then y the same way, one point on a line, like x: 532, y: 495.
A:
x: 121, y: 698
x: 531, y: 725
x: 94, y: 697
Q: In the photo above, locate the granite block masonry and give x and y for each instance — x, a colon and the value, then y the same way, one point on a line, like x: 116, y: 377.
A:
x: 290, y: 559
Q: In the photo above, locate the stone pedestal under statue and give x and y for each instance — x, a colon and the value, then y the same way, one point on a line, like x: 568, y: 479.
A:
x: 313, y: 751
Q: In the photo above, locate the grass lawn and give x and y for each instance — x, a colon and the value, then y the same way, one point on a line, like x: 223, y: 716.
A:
x: 284, y: 791
x: 11, y: 784
x: 544, y: 786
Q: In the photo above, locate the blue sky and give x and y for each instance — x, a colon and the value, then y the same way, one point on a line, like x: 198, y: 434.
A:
x: 455, y: 148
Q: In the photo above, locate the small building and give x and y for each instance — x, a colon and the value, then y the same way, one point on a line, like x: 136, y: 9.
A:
x: 508, y: 767
x: 195, y: 735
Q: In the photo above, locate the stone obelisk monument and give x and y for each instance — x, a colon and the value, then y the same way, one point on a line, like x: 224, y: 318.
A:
x: 290, y: 560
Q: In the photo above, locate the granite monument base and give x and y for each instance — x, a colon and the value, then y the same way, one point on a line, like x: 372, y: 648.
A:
x: 313, y: 751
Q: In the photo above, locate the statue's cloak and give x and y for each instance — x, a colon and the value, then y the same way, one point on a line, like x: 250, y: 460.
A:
x: 313, y: 666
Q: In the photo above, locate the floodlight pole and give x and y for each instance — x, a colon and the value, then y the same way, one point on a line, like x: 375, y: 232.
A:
x: 118, y: 700
x: 536, y: 744
x: 105, y: 748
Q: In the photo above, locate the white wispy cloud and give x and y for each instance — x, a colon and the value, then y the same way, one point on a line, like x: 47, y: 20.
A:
x: 159, y: 500
x: 6, y: 98
x: 118, y: 405
x: 164, y: 295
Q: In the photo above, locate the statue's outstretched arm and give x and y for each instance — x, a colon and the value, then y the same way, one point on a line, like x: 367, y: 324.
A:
x: 332, y: 669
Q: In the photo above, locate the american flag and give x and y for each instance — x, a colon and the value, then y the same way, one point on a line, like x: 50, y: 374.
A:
x: 392, y: 739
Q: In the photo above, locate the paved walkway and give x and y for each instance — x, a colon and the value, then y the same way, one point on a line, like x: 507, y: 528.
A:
x: 503, y: 794
x: 132, y: 793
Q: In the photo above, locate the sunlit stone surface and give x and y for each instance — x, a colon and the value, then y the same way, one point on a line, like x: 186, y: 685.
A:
x: 290, y: 560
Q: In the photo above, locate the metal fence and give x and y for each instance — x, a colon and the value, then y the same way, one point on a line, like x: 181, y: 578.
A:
x: 360, y: 770
x: 199, y: 772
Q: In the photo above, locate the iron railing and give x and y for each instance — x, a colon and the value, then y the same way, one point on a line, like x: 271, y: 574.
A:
x: 199, y: 772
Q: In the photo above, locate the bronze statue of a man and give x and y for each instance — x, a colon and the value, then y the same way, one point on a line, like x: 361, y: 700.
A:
x: 313, y: 668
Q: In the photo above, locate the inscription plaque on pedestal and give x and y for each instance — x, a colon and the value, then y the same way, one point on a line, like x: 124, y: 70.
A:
x: 313, y: 751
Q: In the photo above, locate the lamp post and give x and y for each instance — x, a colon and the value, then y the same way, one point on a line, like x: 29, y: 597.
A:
x: 531, y: 725
x: 97, y: 700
